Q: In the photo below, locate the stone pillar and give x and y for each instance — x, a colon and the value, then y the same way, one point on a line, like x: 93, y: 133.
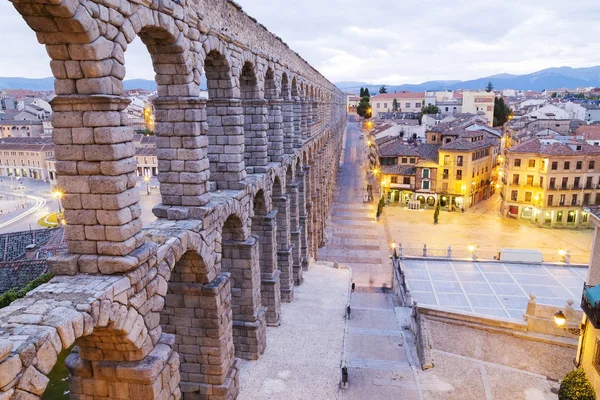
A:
x: 305, y: 119
x: 265, y: 229
x: 315, y: 117
x: 296, y: 230
x: 199, y: 314
x: 96, y: 172
x: 275, y: 134
x: 287, y: 110
x: 154, y: 377
x: 306, y: 218
x: 256, y: 124
x: 241, y: 260
x: 298, y: 130
x: 182, y: 151
x: 284, y: 248
x: 226, y: 143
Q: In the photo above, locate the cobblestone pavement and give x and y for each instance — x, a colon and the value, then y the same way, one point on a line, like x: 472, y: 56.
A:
x: 492, y: 289
x: 376, y: 353
x: 302, y: 360
x: 456, y: 377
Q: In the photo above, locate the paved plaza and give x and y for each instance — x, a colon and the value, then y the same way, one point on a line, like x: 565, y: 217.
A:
x: 492, y: 289
x: 484, y: 227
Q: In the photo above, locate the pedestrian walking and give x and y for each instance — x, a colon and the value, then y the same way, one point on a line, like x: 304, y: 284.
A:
x: 353, y: 286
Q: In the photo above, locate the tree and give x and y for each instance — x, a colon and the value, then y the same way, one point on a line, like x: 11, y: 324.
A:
x: 367, y: 92
x: 489, y: 87
x: 395, y: 105
x: 362, y: 92
x: 502, y: 112
x: 383, y: 89
x: 380, y: 206
x: 436, y: 213
x: 364, y: 107
x: 429, y: 109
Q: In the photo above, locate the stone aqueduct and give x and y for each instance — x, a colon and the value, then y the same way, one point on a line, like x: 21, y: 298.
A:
x: 247, y: 179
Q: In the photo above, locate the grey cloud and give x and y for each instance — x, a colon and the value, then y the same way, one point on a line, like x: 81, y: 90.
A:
x: 386, y: 40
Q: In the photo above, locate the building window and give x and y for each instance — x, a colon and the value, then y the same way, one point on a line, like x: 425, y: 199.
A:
x: 574, y: 200
x: 446, y: 160
x: 378, y: 105
x: 550, y: 200
x: 559, y: 216
x: 417, y: 105
x: 515, y: 179
x: 459, y: 161
x: 394, y: 179
x: 459, y: 174
x: 586, y: 199
x: 579, y: 165
x: 404, y: 160
x: 591, y: 165
x: 561, y: 201
x: 588, y: 182
x: 528, y: 197
x: 413, y: 160
x: 407, y: 105
x: 384, y: 105
x: 517, y: 162
x: 529, y: 180
x: 406, y: 180
x: 531, y: 163
x: 426, y: 173
x: 576, y: 182
x: 554, y: 165
x: 565, y: 182
x: 567, y: 165
x: 514, y: 195
x: 445, y: 175
x: 425, y: 184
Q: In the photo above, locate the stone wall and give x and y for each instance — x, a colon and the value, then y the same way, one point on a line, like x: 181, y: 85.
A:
x: 246, y: 177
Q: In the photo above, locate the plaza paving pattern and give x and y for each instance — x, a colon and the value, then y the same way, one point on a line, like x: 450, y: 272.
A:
x: 493, y: 289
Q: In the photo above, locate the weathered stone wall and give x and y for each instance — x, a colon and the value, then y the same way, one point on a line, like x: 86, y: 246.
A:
x: 246, y: 184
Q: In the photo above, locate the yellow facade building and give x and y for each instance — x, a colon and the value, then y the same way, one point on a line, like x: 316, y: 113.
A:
x: 550, y: 183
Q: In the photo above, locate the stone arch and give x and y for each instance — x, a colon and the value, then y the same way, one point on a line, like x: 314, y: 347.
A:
x: 198, y: 300
x: 240, y: 258
x: 264, y: 228
x: 276, y: 144
x: 225, y: 122
x: 256, y: 121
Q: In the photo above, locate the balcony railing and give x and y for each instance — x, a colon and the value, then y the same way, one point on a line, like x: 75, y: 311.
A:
x: 591, y: 310
x: 445, y: 176
x: 459, y: 177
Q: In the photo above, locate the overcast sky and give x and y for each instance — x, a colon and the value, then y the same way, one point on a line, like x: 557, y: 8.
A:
x: 386, y: 41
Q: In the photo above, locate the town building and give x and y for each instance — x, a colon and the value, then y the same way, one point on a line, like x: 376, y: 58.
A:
x: 549, y: 182
x: 411, y: 102
x: 25, y: 157
x: 475, y: 102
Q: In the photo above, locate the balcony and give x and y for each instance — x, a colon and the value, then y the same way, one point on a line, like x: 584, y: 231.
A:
x: 590, y: 304
x: 445, y: 176
x: 459, y: 177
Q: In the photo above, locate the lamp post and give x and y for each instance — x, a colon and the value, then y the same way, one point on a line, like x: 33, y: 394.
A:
x: 147, y: 180
x: 58, y: 195
x: 560, y: 320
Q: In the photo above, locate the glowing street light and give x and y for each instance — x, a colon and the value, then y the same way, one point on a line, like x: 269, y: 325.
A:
x: 58, y: 195
x: 471, y: 248
x: 560, y: 319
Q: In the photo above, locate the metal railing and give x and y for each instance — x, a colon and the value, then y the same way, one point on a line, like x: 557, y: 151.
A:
x: 477, y: 253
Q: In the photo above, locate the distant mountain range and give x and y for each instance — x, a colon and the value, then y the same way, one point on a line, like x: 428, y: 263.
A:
x: 47, y: 84
x: 551, y: 78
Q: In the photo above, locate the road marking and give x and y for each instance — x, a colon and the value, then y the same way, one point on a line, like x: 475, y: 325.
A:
x: 40, y: 202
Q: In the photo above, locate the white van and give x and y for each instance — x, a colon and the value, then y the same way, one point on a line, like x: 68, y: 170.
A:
x: 521, y: 255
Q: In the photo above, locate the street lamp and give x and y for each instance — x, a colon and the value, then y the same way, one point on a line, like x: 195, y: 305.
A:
x: 58, y: 195
x: 147, y: 180
x: 560, y: 320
